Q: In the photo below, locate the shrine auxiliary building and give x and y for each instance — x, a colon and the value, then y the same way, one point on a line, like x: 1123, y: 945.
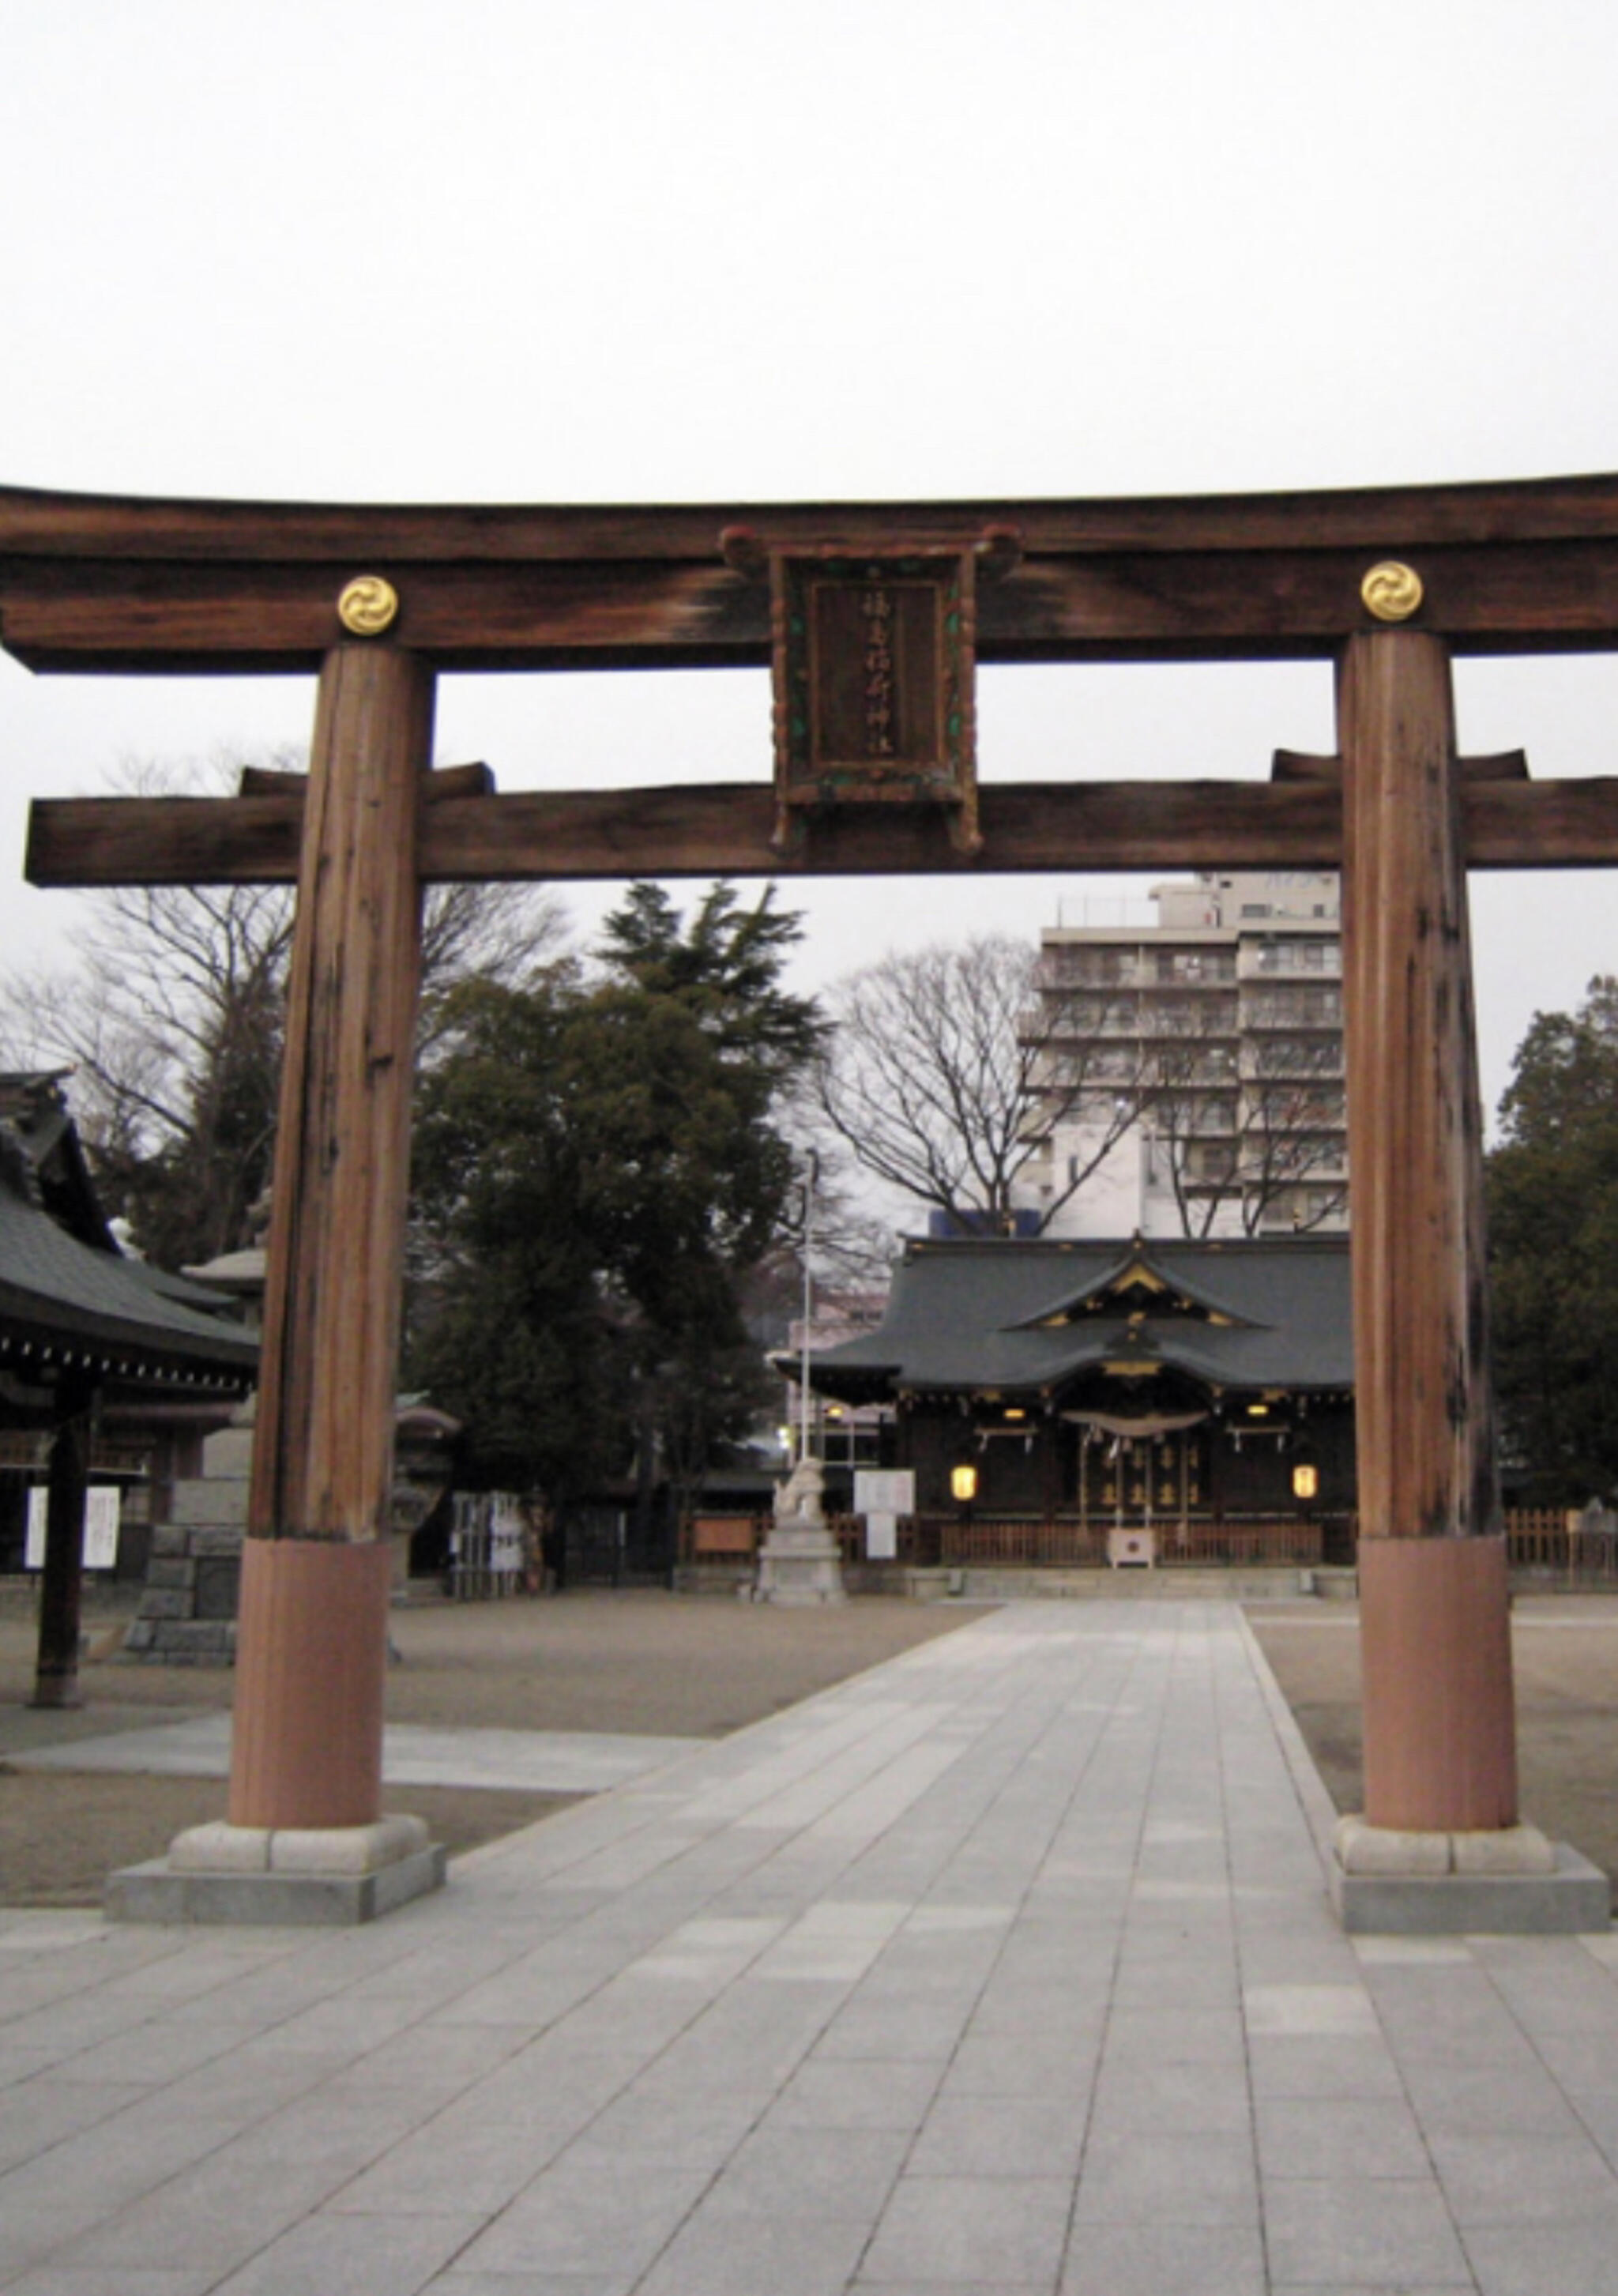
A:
x: 1080, y: 1402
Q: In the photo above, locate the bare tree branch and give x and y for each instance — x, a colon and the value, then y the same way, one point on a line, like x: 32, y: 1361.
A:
x: 946, y: 1071
x: 171, y: 1018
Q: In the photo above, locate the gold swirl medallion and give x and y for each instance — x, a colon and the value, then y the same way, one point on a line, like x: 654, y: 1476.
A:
x: 1392, y: 591
x: 368, y: 605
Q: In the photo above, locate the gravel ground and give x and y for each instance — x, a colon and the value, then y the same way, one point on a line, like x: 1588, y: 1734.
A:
x: 1565, y: 1651
x: 646, y: 1663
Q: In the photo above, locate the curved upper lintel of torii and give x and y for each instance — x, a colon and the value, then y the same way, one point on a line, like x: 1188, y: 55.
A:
x: 112, y: 581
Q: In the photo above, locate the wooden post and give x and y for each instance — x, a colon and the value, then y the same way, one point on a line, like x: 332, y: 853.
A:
x: 315, y: 1568
x: 61, y: 1580
x: 1440, y: 1736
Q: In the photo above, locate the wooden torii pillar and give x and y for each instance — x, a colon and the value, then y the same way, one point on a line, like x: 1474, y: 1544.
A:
x: 1440, y: 1751
x: 306, y: 1744
x: 1387, y: 584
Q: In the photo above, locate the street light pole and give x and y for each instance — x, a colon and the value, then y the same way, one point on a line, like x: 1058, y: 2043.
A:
x: 811, y: 1176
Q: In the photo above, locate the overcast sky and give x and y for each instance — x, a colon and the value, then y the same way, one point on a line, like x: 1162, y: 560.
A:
x: 697, y: 249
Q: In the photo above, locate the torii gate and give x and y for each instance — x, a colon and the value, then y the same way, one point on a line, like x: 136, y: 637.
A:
x: 873, y: 700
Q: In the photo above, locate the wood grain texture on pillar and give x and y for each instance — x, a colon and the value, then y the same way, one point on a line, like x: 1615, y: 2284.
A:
x: 305, y: 1746
x: 1423, y: 1395
x: 324, y: 1445
x: 1440, y: 1729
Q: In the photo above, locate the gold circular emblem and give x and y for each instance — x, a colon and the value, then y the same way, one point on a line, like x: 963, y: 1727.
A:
x: 368, y: 605
x: 1392, y: 591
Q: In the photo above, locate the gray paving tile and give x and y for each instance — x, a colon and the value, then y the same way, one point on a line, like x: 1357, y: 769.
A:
x: 1329, y: 2137
x: 809, y: 2172
x: 1024, y: 2065
x: 1189, y: 2037
x: 63, y: 2280
x: 587, y: 2219
x: 456, y: 2282
x: 155, y: 2055
x: 641, y: 2129
x: 349, y: 2256
x: 846, y: 2093
x: 38, y: 2114
x: 1108, y: 2260
x: 1338, y: 2012
x: 983, y: 2230
x: 720, y: 2254
x: 1133, y: 2094
x: 1369, y: 2288
x: 894, y: 2030
x: 1191, y: 1983
x: 1040, y: 2011
x: 862, y: 2286
x: 1494, y: 2178
x: 1364, y: 2232
x: 1528, y: 2260
x: 1135, y: 2177
x: 1583, y: 2063
x: 1306, y: 2064
x: 972, y: 2136
x: 219, y: 2213
x: 1596, y: 2117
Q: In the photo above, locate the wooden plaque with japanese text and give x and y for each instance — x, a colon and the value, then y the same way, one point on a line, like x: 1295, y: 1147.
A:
x: 872, y: 661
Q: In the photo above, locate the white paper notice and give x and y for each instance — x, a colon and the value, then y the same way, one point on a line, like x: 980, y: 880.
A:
x: 100, y: 1550
x: 884, y: 1490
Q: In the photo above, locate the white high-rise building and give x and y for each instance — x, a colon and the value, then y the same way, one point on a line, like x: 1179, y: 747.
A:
x: 1214, y: 1038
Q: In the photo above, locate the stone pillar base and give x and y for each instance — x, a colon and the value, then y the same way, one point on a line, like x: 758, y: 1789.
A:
x: 1508, y: 1880
x: 296, y: 1875
x: 800, y: 1567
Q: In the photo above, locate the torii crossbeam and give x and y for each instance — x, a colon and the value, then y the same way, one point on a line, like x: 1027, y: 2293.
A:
x: 1388, y: 584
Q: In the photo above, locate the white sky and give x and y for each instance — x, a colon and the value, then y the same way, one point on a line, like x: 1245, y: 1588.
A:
x: 543, y: 251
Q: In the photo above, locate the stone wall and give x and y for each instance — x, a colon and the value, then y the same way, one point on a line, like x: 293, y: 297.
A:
x: 187, y: 1614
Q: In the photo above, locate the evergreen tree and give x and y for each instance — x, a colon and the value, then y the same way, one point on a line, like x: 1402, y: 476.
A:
x: 1553, y: 1232
x: 598, y: 1172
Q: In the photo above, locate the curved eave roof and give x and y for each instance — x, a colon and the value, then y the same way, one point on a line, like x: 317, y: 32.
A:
x: 966, y: 1317
x: 56, y: 1294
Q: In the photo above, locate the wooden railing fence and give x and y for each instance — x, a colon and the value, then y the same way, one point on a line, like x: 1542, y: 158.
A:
x: 1548, y: 1541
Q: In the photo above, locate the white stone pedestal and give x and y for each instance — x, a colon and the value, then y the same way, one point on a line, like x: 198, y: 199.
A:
x: 800, y: 1562
x: 223, y: 1872
x: 1513, y: 1880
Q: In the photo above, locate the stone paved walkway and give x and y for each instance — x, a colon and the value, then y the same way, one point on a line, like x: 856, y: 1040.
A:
x: 1006, y: 1967
x: 414, y: 1754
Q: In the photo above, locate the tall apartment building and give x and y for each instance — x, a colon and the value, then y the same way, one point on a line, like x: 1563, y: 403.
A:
x: 1193, y: 1068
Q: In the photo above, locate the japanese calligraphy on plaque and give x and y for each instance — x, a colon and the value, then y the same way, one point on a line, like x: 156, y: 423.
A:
x: 874, y: 683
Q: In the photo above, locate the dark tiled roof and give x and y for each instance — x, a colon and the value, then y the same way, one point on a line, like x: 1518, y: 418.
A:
x: 1018, y: 1316
x: 55, y: 1289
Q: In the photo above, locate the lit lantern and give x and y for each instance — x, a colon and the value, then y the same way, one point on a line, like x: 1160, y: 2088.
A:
x: 1305, y: 1481
x: 964, y: 1484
